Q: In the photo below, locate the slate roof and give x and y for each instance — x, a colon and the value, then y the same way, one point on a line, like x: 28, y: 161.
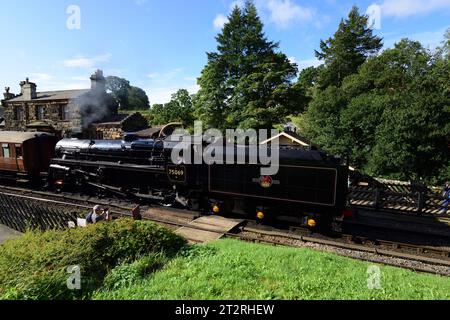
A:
x: 113, y: 120
x: 19, y: 137
x: 53, y: 95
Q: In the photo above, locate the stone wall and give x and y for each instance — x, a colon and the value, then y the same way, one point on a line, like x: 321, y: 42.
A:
x: 106, y: 132
x: 116, y: 130
x: 51, y: 117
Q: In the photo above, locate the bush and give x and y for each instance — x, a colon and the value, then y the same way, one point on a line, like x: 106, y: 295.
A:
x: 35, y: 265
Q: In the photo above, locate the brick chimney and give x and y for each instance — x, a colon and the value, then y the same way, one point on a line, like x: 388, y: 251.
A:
x: 28, y: 89
x: 98, y: 81
x: 7, y: 95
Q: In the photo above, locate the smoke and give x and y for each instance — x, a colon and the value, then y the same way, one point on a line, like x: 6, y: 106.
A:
x: 94, y: 106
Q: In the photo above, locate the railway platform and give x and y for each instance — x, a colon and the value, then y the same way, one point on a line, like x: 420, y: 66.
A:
x: 207, y: 229
x: 195, y: 228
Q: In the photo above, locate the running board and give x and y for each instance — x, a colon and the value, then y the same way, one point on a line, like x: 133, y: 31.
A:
x: 117, y: 191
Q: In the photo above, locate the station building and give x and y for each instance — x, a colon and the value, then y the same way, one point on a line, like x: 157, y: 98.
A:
x: 68, y: 113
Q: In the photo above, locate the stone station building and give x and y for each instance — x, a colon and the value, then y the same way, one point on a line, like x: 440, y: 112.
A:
x: 68, y: 113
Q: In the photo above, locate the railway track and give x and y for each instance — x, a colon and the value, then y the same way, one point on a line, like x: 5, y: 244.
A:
x: 420, y: 258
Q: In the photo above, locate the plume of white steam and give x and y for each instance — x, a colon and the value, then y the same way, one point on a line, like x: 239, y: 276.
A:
x: 91, y: 107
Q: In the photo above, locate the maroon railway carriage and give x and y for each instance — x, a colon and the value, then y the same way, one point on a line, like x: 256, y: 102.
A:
x: 25, y: 155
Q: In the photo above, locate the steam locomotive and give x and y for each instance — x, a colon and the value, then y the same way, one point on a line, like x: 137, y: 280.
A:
x: 310, y: 186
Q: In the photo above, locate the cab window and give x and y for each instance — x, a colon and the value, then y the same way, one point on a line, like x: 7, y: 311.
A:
x: 6, y: 151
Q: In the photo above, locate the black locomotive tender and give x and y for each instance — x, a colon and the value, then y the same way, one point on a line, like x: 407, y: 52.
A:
x: 310, y: 186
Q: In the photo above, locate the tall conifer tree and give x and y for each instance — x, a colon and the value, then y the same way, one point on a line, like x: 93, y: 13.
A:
x: 247, y: 82
x: 348, y: 49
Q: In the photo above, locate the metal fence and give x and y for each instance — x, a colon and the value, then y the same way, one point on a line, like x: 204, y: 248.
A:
x: 22, y: 213
x: 398, y: 196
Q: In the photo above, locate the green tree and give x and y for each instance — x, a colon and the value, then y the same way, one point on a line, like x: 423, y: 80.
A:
x: 352, y: 44
x: 247, y: 83
x: 157, y: 114
x: 359, y: 121
x: 179, y: 109
x: 396, y: 123
x: 119, y: 90
x: 348, y: 49
x: 137, y: 99
x: 391, y: 117
x: 321, y: 123
x: 413, y: 137
x: 309, y: 76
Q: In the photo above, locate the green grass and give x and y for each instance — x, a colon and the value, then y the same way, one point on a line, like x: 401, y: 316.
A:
x: 230, y: 269
x: 140, y: 260
x: 34, y: 266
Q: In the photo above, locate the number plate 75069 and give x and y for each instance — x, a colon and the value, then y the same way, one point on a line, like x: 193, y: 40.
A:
x: 176, y: 173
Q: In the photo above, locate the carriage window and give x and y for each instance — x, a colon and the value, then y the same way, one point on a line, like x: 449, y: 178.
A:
x: 6, y: 151
x: 19, y: 154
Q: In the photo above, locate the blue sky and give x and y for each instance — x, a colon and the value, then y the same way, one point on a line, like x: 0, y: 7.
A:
x: 160, y: 46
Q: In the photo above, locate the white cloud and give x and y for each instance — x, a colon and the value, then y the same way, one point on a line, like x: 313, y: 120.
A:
x: 429, y: 39
x: 74, y: 86
x: 48, y: 82
x: 220, y: 21
x: 293, y: 60
x: 161, y: 85
x: 406, y: 8
x: 285, y: 12
x: 303, y: 64
x: 87, y: 62
x: 161, y: 95
x: 282, y: 13
x: 79, y: 78
x: 38, y: 77
x: 63, y: 84
x: 153, y: 75
x: 166, y: 76
x: 192, y: 79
